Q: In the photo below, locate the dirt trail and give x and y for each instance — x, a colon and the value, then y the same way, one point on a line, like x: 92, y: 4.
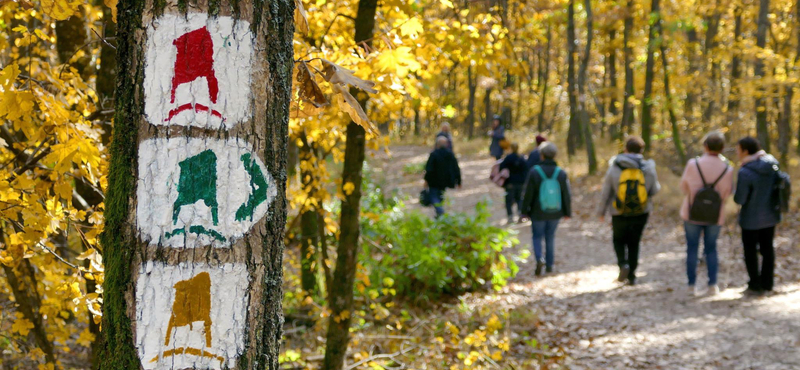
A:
x: 656, y: 324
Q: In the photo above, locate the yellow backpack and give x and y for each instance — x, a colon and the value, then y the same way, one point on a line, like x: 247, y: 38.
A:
x: 632, y: 194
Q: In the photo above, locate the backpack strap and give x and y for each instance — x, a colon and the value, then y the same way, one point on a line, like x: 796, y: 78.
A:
x: 556, y: 172
x: 540, y: 171
x: 714, y: 185
x: 702, y: 178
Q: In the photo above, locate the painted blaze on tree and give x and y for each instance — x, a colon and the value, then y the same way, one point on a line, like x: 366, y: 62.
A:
x: 204, y: 224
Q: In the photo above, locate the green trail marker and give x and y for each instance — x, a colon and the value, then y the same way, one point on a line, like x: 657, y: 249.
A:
x: 198, y: 181
x: 258, y: 187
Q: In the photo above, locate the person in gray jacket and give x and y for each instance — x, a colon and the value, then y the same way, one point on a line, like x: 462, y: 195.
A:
x: 630, y: 207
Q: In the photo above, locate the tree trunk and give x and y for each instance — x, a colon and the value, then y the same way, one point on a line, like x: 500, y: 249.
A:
x: 21, y: 280
x: 692, y: 47
x: 572, y: 86
x: 613, y: 111
x: 712, y: 91
x: 487, y: 108
x: 785, y: 125
x: 71, y: 35
x: 627, y: 105
x: 340, y: 298
x: 506, y: 113
x: 469, y: 122
x: 647, y: 98
x: 214, y: 254
x: 585, y: 122
x: 673, y: 118
x: 309, y: 235
x: 736, y: 71
x: 762, y: 127
x: 545, y: 78
x: 796, y: 60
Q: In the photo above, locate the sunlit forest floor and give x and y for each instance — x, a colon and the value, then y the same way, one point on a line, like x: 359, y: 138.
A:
x: 579, y: 316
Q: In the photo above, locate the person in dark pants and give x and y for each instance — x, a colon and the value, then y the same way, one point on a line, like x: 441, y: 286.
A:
x: 546, y: 202
x: 441, y: 172
x: 759, y: 214
x: 515, y: 165
x: 629, y: 215
x: 534, y: 158
x: 498, y: 134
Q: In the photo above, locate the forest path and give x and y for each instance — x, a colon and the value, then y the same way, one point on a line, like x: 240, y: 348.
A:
x: 602, y: 324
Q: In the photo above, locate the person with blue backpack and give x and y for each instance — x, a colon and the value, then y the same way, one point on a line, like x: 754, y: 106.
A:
x: 763, y: 191
x: 547, y: 200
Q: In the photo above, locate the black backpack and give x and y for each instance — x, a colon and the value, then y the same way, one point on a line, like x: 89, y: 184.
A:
x: 707, y: 203
x: 782, y: 190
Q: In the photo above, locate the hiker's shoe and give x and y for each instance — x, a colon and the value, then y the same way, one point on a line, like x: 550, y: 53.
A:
x: 713, y: 290
x: 510, y: 221
x: 691, y: 291
x: 539, y: 266
x: 632, y: 281
x: 548, y: 269
x: 623, y: 273
x: 752, y: 292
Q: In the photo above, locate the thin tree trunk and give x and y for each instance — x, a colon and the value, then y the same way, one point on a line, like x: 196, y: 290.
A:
x: 712, y: 92
x: 673, y: 118
x: 21, y: 280
x: 71, y: 35
x: 309, y: 243
x: 762, y: 127
x: 647, y: 98
x: 487, y: 106
x: 545, y: 78
x: 690, y: 105
x: 572, y: 86
x: 785, y: 125
x: 583, y: 98
x: 627, y: 105
x: 340, y: 298
x: 217, y: 260
x: 613, y: 111
x: 736, y: 71
x: 472, y: 85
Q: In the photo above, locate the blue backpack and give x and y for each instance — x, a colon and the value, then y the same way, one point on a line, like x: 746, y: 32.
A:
x: 549, y: 191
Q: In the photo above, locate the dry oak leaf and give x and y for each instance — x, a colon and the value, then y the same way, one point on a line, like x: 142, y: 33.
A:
x: 300, y: 16
x: 350, y: 105
x: 307, y: 87
x: 336, y: 74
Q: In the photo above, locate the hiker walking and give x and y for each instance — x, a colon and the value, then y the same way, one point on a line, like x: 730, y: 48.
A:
x: 629, y: 185
x: 707, y: 181
x: 760, y: 191
x: 445, y: 133
x: 534, y: 158
x: 498, y: 135
x: 547, y: 200
x: 441, y: 172
x: 515, y: 165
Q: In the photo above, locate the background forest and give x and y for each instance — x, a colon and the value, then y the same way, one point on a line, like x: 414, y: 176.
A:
x: 586, y: 73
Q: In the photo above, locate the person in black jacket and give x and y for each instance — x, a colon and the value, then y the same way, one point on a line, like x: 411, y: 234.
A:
x: 441, y: 172
x: 755, y: 192
x: 515, y: 165
x: 542, y: 204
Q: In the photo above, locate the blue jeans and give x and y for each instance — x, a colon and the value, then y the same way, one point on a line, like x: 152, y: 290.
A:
x: 437, y: 198
x: 546, y: 229
x: 710, y: 235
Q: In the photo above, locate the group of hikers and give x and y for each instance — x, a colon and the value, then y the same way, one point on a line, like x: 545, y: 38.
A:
x: 540, y: 190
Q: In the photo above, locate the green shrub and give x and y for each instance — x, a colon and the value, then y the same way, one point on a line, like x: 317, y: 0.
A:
x: 423, y: 258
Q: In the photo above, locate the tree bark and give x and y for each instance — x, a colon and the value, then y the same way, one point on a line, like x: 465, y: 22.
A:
x: 472, y: 85
x: 340, y: 298
x: 627, y: 105
x: 673, y: 118
x: 692, y: 50
x: 227, y: 276
x: 614, y: 129
x: 736, y: 71
x: 712, y: 92
x: 762, y: 127
x: 71, y: 36
x: 583, y: 103
x: 545, y: 78
x: 487, y: 109
x: 22, y: 282
x: 572, y: 86
x: 647, y: 98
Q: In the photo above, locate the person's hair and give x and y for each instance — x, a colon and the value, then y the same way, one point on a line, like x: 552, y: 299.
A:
x: 540, y: 139
x: 497, y: 117
x: 750, y: 145
x: 445, y: 124
x: 714, y: 142
x: 441, y: 142
x: 514, y: 147
x: 548, y: 150
x: 634, y: 145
